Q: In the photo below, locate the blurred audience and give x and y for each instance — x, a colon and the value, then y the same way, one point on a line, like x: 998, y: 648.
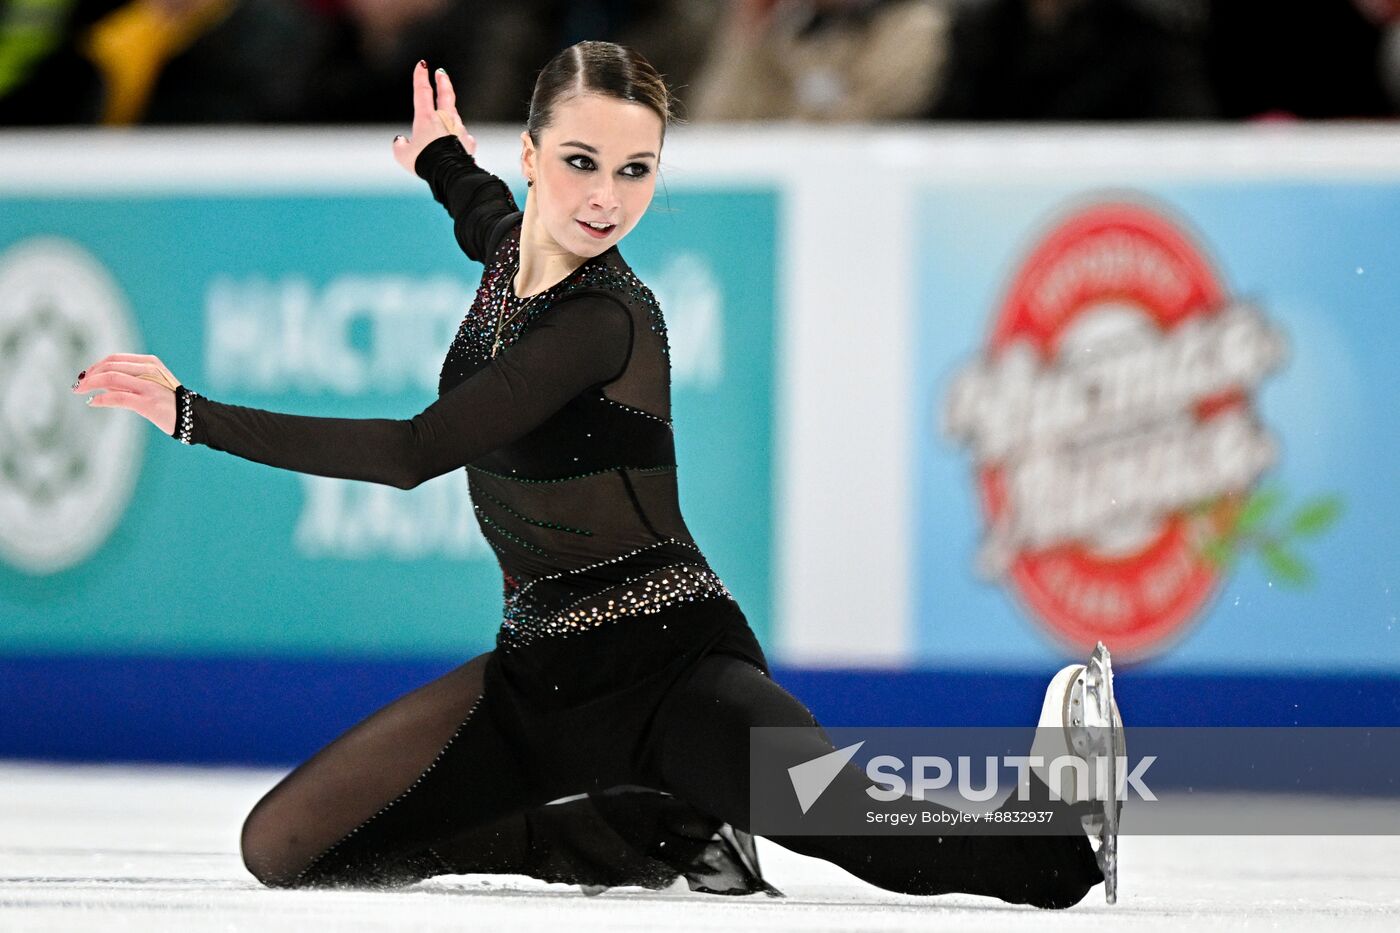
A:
x: 494, y: 48
x: 150, y: 61
x: 122, y: 62
x: 308, y: 61
x: 823, y: 60
x: 44, y: 76
x: 224, y: 61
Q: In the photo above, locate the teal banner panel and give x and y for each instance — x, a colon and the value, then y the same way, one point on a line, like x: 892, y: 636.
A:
x: 116, y: 539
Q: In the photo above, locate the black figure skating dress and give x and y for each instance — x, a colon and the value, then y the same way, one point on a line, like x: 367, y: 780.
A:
x: 623, y: 671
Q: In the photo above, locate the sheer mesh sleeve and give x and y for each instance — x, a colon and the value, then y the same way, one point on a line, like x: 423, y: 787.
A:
x: 478, y: 201
x: 580, y: 342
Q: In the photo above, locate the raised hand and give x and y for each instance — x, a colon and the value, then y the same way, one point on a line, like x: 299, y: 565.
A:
x: 137, y: 381
x: 431, y: 120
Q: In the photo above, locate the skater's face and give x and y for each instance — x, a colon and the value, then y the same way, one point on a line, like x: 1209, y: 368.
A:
x: 596, y: 162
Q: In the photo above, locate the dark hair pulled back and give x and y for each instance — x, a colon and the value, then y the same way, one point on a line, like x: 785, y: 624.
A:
x: 592, y: 67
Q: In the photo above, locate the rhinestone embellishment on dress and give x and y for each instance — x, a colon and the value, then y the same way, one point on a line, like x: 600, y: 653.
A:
x: 648, y: 594
x: 496, y: 306
x: 185, y: 421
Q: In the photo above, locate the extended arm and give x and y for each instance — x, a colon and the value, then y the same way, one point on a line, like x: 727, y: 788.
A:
x: 477, y: 200
x: 580, y: 342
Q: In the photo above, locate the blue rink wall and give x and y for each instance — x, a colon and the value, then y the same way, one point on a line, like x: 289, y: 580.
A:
x: 162, y: 602
x: 279, y: 711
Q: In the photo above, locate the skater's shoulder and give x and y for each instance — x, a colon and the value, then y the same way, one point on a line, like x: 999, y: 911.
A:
x: 610, y: 273
x: 503, y: 240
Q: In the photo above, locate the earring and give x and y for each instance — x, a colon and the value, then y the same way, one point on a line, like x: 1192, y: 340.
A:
x: 530, y: 183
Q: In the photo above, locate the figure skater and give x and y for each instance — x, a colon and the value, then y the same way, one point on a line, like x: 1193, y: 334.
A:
x: 606, y: 738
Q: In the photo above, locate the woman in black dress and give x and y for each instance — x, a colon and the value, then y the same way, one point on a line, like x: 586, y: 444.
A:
x: 625, y: 677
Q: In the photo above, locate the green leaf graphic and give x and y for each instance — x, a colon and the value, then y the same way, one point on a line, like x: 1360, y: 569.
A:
x: 1260, y: 526
x: 1289, y: 568
x: 1316, y: 516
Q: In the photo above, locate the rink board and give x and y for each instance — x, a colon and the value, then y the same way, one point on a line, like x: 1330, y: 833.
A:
x: 824, y: 293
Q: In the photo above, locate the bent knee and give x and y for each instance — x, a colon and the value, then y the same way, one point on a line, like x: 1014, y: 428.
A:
x: 268, y: 852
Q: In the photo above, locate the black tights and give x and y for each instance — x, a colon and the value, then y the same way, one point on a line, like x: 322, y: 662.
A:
x: 432, y: 785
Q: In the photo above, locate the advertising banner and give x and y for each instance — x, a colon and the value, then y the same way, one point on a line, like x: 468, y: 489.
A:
x: 1159, y: 415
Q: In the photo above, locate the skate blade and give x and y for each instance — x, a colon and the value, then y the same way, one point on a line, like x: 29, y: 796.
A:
x: 1097, y: 735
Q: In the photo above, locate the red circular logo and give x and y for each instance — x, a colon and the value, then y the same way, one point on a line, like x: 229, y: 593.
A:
x: 1111, y: 419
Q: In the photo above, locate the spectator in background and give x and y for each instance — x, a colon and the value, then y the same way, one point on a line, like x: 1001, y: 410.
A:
x: 822, y: 60
x: 1078, y: 60
x: 674, y: 35
x: 1306, y: 58
x: 343, y: 61
x: 44, y: 76
x: 492, y: 49
x: 205, y: 61
x: 359, y: 51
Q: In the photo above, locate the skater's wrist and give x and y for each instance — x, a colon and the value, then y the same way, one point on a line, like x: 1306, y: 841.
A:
x: 184, y: 415
x: 443, y: 150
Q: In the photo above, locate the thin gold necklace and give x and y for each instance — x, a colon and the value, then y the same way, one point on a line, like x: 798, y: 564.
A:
x: 509, y: 292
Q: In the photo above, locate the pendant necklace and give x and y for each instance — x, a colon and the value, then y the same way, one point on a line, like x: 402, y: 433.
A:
x: 508, y: 292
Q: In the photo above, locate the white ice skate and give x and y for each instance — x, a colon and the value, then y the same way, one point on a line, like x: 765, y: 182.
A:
x: 1080, y: 718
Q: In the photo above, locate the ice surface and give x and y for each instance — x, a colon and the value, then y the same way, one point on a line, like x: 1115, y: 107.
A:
x: 156, y: 848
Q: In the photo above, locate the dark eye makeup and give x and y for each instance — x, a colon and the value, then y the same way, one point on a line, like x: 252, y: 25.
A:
x: 641, y: 174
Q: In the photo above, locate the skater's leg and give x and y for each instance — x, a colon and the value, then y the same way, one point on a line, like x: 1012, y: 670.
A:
x: 631, y: 837
x: 704, y: 757
x: 368, y: 807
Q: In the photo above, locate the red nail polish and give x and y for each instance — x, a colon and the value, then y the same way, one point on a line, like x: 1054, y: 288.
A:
x: 422, y: 63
